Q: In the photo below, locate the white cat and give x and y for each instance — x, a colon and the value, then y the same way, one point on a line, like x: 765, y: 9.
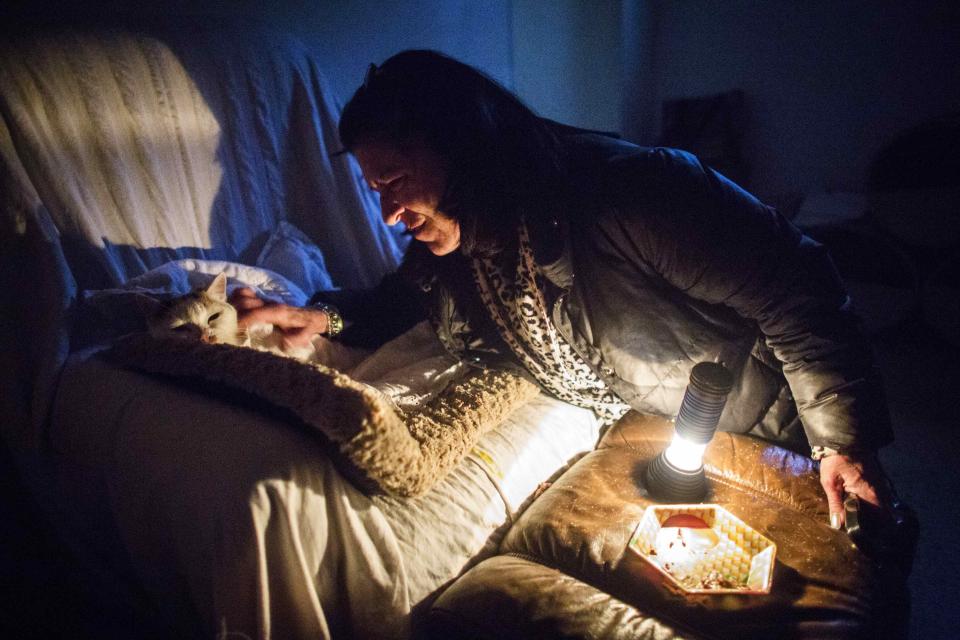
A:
x: 205, y: 315
x: 407, y: 372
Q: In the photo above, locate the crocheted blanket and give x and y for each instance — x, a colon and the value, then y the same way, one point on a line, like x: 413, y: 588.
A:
x: 399, y: 453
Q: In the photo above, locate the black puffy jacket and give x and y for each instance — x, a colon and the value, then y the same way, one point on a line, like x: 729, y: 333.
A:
x: 656, y: 263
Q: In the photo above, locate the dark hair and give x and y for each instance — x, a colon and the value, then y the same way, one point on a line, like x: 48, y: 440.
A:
x: 503, y: 160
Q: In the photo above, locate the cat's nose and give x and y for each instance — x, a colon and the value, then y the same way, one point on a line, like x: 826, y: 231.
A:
x: 209, y: 338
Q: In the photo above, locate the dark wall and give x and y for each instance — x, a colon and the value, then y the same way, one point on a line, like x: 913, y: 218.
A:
x: 827, y: 83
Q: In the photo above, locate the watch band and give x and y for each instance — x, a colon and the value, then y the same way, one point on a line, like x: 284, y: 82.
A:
x: 820, y: 452
x: 334, y: 319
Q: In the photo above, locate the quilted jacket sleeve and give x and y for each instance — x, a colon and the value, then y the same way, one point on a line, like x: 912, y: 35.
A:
x: 711, y: 239
x: 376, y: 315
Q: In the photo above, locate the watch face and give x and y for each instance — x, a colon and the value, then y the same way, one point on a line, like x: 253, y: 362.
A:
x: 334, y: 319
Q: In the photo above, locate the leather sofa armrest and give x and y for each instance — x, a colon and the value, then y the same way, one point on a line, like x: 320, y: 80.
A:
x: 749, y: 463
x: 823, y: 586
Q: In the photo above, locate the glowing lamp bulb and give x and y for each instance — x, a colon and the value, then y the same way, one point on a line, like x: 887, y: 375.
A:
x: 676, y: 475
x: 685, y: 455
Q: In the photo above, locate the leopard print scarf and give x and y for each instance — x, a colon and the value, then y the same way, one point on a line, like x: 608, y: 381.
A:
x: 518, y: 308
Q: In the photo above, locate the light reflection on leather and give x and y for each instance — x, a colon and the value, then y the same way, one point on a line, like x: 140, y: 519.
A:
x: 784, y: 461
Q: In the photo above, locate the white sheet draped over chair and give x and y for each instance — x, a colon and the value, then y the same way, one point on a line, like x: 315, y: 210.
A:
x: 122, y: 151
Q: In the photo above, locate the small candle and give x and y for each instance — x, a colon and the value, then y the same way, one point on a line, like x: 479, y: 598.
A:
x: 682, y: 542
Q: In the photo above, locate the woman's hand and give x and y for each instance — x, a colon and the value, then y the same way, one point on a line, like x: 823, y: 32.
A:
x: 298, y: 325
x: 859, y: 475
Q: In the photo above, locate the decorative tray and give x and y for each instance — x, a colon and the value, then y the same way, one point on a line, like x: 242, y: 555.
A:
x: 703, y: 548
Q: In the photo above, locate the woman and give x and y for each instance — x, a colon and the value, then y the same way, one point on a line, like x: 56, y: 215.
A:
x: 603, y: 270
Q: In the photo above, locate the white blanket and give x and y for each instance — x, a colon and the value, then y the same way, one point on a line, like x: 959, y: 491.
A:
x: 122, y: 151
x: 244, y: 519
x: 145, y: 149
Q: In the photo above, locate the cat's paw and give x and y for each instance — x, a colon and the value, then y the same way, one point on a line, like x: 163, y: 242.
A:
x: 335, y: 355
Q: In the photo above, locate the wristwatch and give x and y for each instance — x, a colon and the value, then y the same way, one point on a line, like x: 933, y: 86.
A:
x: 819, y: 452
x: 334, y: 319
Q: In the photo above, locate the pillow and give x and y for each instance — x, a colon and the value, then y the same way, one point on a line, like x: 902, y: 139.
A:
x: 290, y: 252
x: 402, y: 453
x: 104, y: 314
x: 183, y: 276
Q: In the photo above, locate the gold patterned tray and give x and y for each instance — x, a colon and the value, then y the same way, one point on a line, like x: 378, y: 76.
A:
x: 725, y: 556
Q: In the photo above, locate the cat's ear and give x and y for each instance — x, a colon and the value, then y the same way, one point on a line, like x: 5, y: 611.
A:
x: 148, y: 306
x: 218, y: 288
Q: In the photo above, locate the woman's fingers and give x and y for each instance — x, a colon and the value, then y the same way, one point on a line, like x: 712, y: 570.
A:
x: 841, y: 474
x: 245, y: 298
x: 280, y: 315
x: 290, y: 320
x: 833, y: 488
x: 242, y: 292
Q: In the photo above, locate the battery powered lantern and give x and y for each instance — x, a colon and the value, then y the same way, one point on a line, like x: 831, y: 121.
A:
x: 676, y: 475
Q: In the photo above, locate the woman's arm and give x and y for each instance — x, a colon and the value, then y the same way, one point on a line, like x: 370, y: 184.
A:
x: 374, y: 316
x: 371, y: 316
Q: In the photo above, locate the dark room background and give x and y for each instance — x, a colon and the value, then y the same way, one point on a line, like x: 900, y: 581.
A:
x: 828, y: 109
x: 826, y: 84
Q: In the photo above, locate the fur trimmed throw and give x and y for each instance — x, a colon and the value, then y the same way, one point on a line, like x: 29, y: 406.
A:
x: 402, y: 454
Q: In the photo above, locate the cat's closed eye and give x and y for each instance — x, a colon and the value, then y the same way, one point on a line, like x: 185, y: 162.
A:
x: 203, y: 315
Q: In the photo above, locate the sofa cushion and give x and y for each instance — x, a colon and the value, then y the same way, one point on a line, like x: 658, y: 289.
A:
x: 532, y: 600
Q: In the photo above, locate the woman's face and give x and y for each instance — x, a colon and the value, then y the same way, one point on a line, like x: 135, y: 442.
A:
x: 410, y: 180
